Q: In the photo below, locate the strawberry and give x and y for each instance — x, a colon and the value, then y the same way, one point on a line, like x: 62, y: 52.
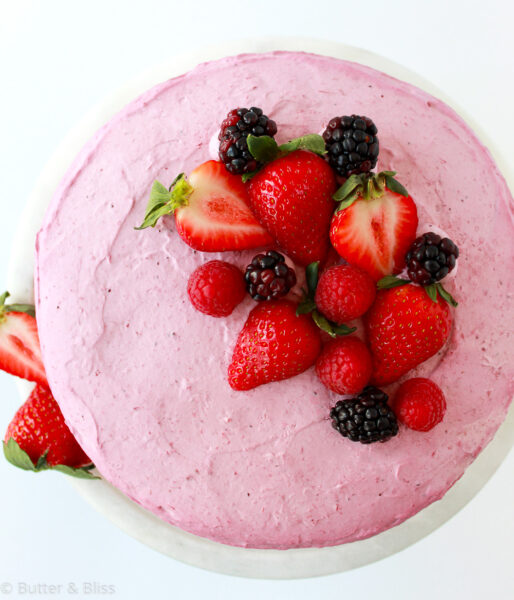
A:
x: 38, y: 439
x: 405, y: 327
x: 274, y: 344
x: 211, y: 210
x: 20, y: 353
x: 292, y: 197
x: 375, y: 224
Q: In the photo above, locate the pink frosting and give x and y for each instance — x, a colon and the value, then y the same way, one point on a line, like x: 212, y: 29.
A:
x: 141, y: 376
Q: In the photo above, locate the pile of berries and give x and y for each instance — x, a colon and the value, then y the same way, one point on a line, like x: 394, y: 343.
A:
x: 286, y: 200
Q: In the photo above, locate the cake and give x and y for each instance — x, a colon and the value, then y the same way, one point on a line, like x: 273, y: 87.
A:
x: 141, y: 377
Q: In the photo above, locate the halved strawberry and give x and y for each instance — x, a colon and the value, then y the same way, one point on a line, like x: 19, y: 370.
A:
x: 211, y: 210
x: 20, y: 353
x: 375, y: 224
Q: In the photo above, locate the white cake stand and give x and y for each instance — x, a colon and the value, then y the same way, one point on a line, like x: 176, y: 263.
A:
x: 143, y: 525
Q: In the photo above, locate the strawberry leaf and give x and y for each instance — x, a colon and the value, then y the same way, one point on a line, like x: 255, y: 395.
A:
x: 305, y: 307
x: 350, y: 186
x: 263, y: 148
x: 431, y: 290
x: 19, y: 458
x: 80, y: 473
x: 20, y: 308
x: 312, y: 275
x: 312, y: 142
x: 445, y: 295
x: 164, y: 202
x: 247, y: 176
x: 333, y: 330
x: 391, y: 281
x: 394, y: 185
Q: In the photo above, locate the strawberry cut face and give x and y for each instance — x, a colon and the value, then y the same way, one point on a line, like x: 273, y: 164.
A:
x: 376, y: 234
x: 20, y: 353
x: 217, y: 217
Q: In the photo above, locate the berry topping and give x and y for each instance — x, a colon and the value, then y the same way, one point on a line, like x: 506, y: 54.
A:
x: 367, y: 418
x: 237, y: 126
x: 420, y: 404
x: 274, y: 344
x: 344, y: 293
x: 268, y: 277
x: 211, y: 210
x: 352, y: 145
x: 292, y: 198
x: 431, y: 258
x: 404, y: 328
x: 216, y: 288
x: 38, y: 438
x: 375, y: 223
x: 20, y: 353
x: 344, y: 365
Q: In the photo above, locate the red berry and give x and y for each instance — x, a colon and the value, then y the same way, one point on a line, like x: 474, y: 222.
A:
x: 39, y: 427
x: 292, y: 198
x: 404, y: 328
x: 344, y: 293
x: 344, y: 365
x: 216, y: 288
x: 420, y: 404
x: 20, y: 353
x: 375, y: 231
x: 274, y: 344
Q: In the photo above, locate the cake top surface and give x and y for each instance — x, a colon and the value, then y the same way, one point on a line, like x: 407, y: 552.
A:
x: 141, y: 376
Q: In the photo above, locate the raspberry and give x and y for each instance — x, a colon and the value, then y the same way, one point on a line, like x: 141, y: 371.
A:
x: 216, y: 288
x: 268, y: 277
x: 344, y: 366
x: 238, y: 124
x: 367, y: 418
x: 420, y: 404
x: 352, y: 145
x: 344, y: 293
x: 430, y: 258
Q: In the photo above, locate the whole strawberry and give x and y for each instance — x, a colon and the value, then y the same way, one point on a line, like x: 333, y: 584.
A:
x: 405, y: 327
x: 374, y: 224
x: 38, y: 438
x: 274, y: 344
x: 292, y: 198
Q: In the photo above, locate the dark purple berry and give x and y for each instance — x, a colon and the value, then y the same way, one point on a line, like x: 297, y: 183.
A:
x: 430, y: 258
x: 352, y: 144
x: 268, y: 277
x: 233, y: 148
x: 365, y: 418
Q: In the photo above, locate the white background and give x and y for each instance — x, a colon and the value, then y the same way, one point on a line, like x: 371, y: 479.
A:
x: 60, y: 57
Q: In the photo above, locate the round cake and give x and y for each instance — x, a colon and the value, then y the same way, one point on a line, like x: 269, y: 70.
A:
x: 141, y: 376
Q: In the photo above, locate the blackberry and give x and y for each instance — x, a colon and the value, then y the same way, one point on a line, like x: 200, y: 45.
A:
x: 430, y: 258
x: 366, y: 418
x: 238, y: 124
x: 352, y: 145
x: 268, y: 277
